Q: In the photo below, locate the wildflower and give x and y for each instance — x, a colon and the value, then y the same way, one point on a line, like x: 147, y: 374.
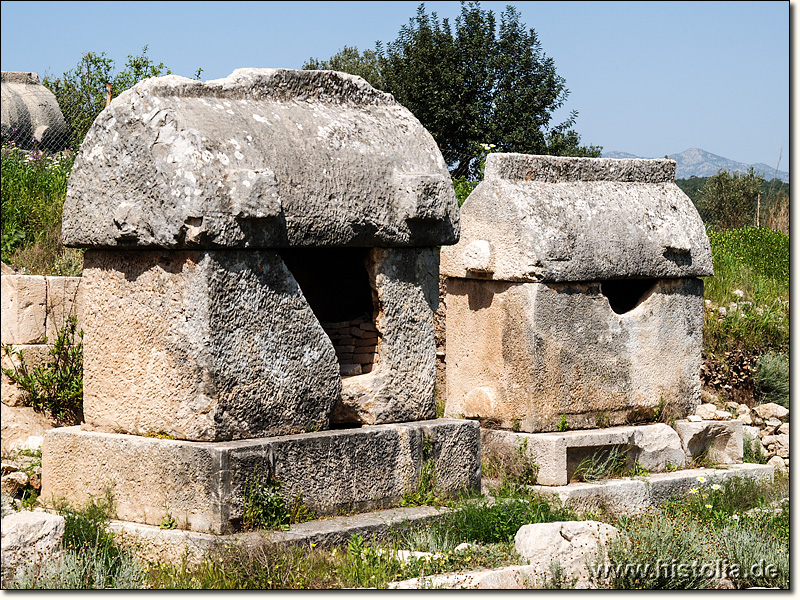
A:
x: 715, y: 487
x: 701, y: 479
x: 694, y: 491
x: 735, y: 517
x: 709, y: 506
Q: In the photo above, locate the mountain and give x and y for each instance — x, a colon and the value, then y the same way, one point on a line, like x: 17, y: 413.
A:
x: 699, y: 163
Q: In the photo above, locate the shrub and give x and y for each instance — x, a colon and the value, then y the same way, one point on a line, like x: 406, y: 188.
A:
x: 772, y: 378
x: 54, y: 388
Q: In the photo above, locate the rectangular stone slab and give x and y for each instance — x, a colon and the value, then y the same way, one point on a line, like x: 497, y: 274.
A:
x: 655, y: 447
x: 203, y: 484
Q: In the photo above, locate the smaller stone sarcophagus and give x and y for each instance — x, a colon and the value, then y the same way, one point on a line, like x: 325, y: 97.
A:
x: 573, y: 295
x: 262, y: 256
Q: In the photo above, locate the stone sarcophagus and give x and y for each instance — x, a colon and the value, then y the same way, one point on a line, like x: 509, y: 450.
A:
x: 261, y: 274
x: 573, y: 295
x: 262, y: 256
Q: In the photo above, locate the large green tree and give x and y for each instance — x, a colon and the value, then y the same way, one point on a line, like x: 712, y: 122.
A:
x: 474, y: 83
x: 81, y: 92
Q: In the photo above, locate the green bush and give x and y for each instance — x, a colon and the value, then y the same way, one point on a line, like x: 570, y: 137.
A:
x: 772, y: 378
x: 54, y: 388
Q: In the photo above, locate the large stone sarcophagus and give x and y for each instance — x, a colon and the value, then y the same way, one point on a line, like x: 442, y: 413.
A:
x: 260, y: 278
x: 573, y: 295
x: 262, y: 256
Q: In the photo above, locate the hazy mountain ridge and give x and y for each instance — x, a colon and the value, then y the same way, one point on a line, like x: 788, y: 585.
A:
x: 699, y: 163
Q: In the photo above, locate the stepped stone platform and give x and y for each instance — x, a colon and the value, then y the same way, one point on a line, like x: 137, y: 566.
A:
x: 624, y: 496
x: 204, y: 485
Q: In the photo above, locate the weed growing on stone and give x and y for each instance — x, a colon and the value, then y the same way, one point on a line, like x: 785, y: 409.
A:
x: 604, y: 463
x: 562, y: 423
x: 265, y: 507
x: 752, y: 451
x: 56, y: 387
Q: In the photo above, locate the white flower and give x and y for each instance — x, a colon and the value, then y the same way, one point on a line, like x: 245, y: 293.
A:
x: 735, y: 517
x: 694, y: 491
x: 715, y: 487
x: 709, y: 506
x: 701, y: 479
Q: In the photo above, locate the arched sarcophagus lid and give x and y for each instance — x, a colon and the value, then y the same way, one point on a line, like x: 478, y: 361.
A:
x: 561, y: 219
x: 31, y: 116
x: 263, y: 158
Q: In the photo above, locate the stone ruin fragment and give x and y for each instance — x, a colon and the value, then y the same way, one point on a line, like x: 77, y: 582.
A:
x: 573, y: 296
x: 261, y: 256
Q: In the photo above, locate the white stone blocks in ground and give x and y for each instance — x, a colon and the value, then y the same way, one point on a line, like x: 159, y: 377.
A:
x: 721, y: 441
x: 655, y: 447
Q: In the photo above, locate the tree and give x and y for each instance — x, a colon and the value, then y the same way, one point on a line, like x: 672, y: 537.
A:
x: 472, y: 84
x: 349, y: 60
x: 81, y: 92
x: 730, y: 199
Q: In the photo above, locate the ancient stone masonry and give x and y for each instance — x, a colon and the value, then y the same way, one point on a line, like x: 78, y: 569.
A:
x: 226, y: 221
x: 262, y: 261
x: 573, y: 295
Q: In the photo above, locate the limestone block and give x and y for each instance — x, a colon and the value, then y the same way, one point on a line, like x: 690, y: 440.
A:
x: 24, y: 308
x: 771, y: 410
x: 64, y: 299
x: 572, y: 543
x: 202, y: 345
x: 784, y: 429
x: 777, y: 463
x: 203, y: 485
x: 400, y: 386
x: 563, y: 219
x: 259, y: 159
x: 514, y: 577
x: 30, y: 539
x: 33, y: 355
x: 721, y: 439
x: 20, y: 424
x: 14, y: 482
x: 655, y: 447
x: 706, y: 411
x: 523, y: 354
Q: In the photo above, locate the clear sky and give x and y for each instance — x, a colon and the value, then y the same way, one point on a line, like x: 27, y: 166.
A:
x: 647, y: 78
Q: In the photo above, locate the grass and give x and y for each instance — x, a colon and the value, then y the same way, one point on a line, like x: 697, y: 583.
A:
x: 751, y: 282
x: 34, y: 185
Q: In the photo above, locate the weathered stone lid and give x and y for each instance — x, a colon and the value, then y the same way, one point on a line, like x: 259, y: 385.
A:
x: 29, y: 111
x: 262, y: 158
x: 557, y: 219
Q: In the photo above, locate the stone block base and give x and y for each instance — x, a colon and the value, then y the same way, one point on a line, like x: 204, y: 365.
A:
x: 203, y: 485
x: 721, y: 441
x: 655, y: 447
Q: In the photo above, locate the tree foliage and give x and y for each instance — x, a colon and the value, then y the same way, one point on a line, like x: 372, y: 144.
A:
x: 81, y: 92
x: 475, y: 82
x: 730, y: 199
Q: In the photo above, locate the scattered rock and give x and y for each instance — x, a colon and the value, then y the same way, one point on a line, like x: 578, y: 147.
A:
x: 722, y: 415
x: 706, y: 411
x: 30, y: 539
x: 777, y: 463
x: 771, y: 410
x: 694, y: 418
x: 784, y: 429
x: 13, y: 482
x: 571, y: 543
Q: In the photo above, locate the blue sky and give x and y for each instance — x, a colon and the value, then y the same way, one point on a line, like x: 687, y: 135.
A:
x: 648, y: 78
